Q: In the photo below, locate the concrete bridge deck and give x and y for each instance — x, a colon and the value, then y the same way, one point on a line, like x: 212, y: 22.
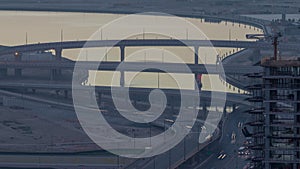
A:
x: 232, y: 98
x: 132, y: 66
x: 145, y: 42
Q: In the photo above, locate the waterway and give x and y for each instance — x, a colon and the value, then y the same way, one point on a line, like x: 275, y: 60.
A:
x: 20, y: 27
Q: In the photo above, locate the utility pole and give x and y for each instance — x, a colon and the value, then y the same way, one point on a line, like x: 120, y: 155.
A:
x: 26, y: 39
x: 61, y: 35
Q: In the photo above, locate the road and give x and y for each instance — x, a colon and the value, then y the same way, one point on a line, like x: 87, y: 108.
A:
x: 144, y: 42
x: 133, y: 66
x: 231, y: 161
x: 71, y: 161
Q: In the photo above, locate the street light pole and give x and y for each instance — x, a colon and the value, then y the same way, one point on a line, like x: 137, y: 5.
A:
x: 61, y: 35
x: 26, y: 40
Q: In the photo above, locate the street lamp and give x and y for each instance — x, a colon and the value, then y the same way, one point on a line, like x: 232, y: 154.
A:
x: 16, y: 53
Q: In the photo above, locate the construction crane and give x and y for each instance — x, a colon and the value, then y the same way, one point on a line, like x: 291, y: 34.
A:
x: 274, y: 37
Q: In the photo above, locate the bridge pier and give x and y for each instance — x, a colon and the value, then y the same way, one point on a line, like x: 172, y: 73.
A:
x: 58, y: 56
x: 196, y: 56
x: 58, y: 53
x: 122, y: 57
x: 196, y: 62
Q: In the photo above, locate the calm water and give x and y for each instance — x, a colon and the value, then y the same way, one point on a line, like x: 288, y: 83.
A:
x: 271, y: 17
x: 33, y: 27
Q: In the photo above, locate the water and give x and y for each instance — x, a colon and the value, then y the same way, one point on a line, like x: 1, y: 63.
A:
x: 19, y: 28
x: 271, y: 17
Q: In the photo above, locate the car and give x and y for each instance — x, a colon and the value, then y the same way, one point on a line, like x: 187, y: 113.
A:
x: 247, y: 142
x: 247, y: 152
x: 222, y: 155
x: 208, y: 138
x: 233, y: 137
x: 240, y: 125
x: 242, y: 148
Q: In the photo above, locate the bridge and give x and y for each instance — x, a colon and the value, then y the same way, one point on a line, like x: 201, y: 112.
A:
x: 196, y: 68
x: 131, y: 66
x: 205, y: 96
x: 59, y: 46
x: 59, y: 64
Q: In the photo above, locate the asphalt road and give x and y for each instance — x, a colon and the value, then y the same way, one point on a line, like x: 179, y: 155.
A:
x: 231, y: 161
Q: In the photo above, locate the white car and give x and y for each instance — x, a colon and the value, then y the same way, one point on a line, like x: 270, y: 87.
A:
x: 222, y: 155
x: 240, y: 125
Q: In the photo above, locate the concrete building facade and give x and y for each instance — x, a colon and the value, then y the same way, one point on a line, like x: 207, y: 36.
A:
x: 276, y: 116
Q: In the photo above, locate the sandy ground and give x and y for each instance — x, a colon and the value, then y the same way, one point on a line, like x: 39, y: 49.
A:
x: 29, y: 126
x: 40, y: 128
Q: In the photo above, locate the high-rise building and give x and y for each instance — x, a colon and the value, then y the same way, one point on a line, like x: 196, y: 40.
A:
x: 276, y: 115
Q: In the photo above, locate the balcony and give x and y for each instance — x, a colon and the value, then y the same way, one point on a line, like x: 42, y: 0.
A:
x: 277, y: 109
x: 255, y: 99
x: 257, y: 159
x: 258, y: 134
x: 273, y: 85
x: 255, y: 87
x: 292, y: 137
x: 257, y: 147
x: 282, y: 97
x: 255, y: 111
x: 254, y: 75
x: 255, y: 123
x: 282, y: 158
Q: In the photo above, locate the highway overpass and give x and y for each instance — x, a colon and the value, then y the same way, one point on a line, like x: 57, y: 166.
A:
x: 131, y: 66
x: 59, y: 46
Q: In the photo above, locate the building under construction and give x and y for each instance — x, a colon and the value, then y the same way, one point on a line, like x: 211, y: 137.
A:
x: 276, y: 115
